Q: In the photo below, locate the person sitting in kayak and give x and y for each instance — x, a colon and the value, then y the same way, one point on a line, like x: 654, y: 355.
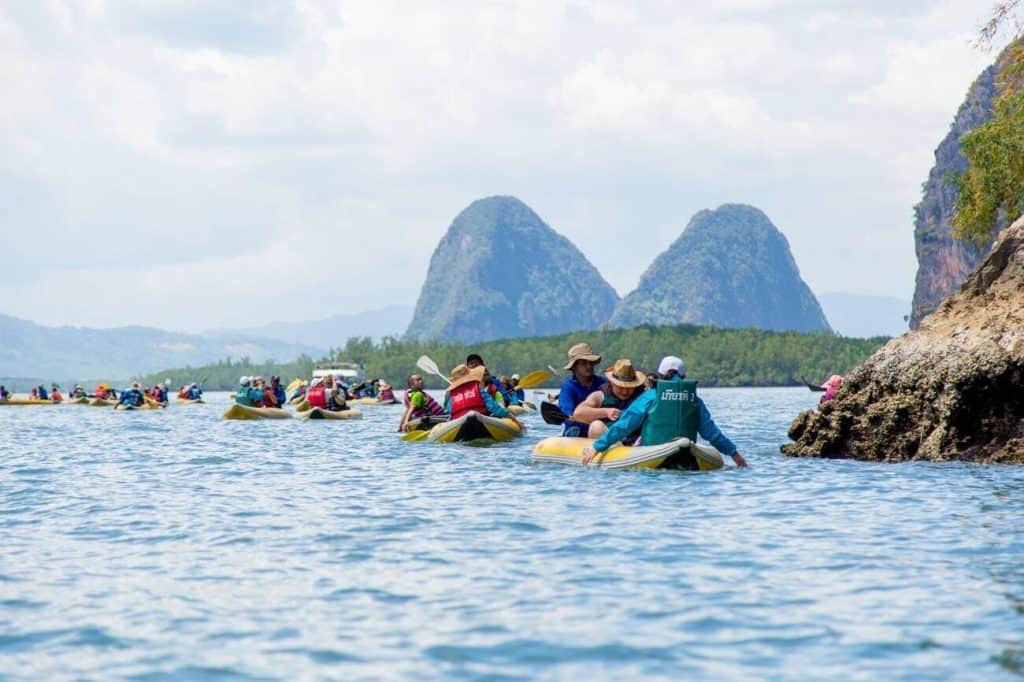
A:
x: 248, y: 395
x: 194, y: 392
x: 33, y: 394
x: 605, y: 405
x: 41, y: 393
x: 580, y: 384
x: 300, y: 392
x: 274, y: 393
x: 418, y: 403
x: 358, y: 391
x: 473, y: 360
x: 104, y: 392
x: 55, y: 394
x: 325, y: 394
x: 670, y: 410
x: 508, y: 391
x: 5, y: 395
x: 78, y: 391
x: 519, y: 392
x: 387, y: 394
x: 132, y: 397
x: 159, y: 394
x: 467, y: 393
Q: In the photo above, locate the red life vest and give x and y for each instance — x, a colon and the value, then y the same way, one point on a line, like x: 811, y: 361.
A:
x: 316, y: 397
x: 467, y: 397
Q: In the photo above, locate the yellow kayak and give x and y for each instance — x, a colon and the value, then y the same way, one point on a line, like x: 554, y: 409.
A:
x: 320, y: 413
x: 102, y: 402
x: 372, y: 401
x: 474, y: 426
x: 77, y: 401
x: 186, y: 401
x: 237, y: 411
x: 681, y: 453
x: 26, y: 401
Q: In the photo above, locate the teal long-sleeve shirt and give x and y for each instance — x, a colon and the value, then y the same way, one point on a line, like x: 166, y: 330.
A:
x: 633, y: 417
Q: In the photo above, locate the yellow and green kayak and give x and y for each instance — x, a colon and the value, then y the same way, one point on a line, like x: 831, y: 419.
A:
x: 320, y: 413
x: 474, y: 427
x: 681, y: 453
x: 237, y: 411
x: 186, y: 401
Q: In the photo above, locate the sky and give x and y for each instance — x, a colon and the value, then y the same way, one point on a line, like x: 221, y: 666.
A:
x: 193, y: 164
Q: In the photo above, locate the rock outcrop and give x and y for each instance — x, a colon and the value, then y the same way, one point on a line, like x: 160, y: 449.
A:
x: 501, y: 272
x: 944, y: 262
x: 730, y: 267
x: 953, y: 389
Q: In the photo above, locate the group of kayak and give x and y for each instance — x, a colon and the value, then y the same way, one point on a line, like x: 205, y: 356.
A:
x: 104, y: 395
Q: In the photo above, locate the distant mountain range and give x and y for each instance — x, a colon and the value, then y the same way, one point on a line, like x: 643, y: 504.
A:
x: 334, y: 331
x: 28, y: 349
x: 861, y: 316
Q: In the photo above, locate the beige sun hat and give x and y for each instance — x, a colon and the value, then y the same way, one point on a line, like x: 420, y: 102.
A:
x: 625, y: 375
x: 462, y: 374
x: 581, y: 351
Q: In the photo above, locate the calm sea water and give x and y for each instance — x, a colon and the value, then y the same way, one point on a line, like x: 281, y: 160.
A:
x: 175, y: 545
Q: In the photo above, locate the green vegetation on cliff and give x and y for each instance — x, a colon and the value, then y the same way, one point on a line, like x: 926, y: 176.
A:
x: 715, y: 357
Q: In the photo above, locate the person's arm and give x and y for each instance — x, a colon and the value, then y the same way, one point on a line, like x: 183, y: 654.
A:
x: 590, y: 409
x: 628, y: 422
x: 494, y: 407
x: 709, y: 431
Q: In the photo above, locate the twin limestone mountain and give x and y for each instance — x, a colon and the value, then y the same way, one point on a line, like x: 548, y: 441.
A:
x: 730, y: 268
x: 501, y: 272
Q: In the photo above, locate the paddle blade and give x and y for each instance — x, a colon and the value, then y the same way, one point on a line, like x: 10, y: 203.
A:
x: 292, y: 386
x: 550, y: 413
x: 534, y: 379
x: 429, y: 366
x: 413, y: 436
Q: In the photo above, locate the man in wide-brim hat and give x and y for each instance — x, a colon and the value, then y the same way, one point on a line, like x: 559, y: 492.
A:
x: 603, y: 406
x: 580, y: 384
x: 467, y: 393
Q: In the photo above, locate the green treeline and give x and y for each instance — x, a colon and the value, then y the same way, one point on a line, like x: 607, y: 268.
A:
x: 713, y: 356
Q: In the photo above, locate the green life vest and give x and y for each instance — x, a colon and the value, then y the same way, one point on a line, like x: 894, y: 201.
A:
x: 673, y: 413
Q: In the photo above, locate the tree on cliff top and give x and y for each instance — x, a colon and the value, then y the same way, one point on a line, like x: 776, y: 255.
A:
x: 993, y: 184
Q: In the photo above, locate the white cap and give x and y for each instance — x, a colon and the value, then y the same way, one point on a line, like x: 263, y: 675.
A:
x: 514, y: 377
x: 669, y: 363
x: 245, y: 381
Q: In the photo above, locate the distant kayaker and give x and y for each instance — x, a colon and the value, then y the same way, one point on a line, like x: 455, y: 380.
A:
x: 194, y: 392
x: 4, y: 393
x: 508, y: 390
x: 248, y: 394
x: 418, y: 403
x: 159, y: 394
x: 387, y: 394
x: 55, y: 395
x: 604, y: 406
x: 578, y: 386
x: 273, y: 394
x: 831, y: 386
x: 494, y: 388
x: 41, y: 393
x: 520, y: 392
x: 78, y: 391
x: 326, y: 395
x: 33, y: 394
x: 670, y: 410
x: 466, y: 394
x: 133, y: 397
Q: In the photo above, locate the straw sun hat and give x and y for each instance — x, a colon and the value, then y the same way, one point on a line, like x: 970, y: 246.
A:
x: 581, y: 351
x: 462, y: 374
x: 625, y: 375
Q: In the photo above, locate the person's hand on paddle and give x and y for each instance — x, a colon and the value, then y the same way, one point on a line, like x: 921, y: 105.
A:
x: 613, y: 413
x: 741, y: 463
x: 589, y: 453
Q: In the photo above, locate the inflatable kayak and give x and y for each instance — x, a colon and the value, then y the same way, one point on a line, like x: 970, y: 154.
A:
x: 102, y: 402
x: 320, y: 413
x: 474, y: 426
x: 372, y: 401
x: 237, y: 411
x: 186, y: 401
x: 681, y: 453
x: 77, y: 401
x: 26, y: 401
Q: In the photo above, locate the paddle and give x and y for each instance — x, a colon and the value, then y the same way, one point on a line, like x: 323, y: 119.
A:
x: 550, y: 413
x: 533, y: 379
x: 813, y: 387
x: 413, y: 436
x: 430, y: 367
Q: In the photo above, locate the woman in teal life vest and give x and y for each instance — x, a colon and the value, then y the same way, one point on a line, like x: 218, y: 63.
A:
x: 605, y: 405
x: 668, y: 411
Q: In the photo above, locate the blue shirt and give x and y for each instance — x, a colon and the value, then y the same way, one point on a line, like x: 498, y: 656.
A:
x: 570, y: 396
x: 633, y: 417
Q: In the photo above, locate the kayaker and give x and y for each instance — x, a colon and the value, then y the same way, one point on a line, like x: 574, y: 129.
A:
x: 325, y: 394
x: 670, y: 410
x: 578, y: 386
x: 520, y: 392
x: 387, y: 394
x: 508, y: 391
x: 277, y: 391
x: 473, y: 360
x: 247, y: 394
x: 300, y: 392
x: 831, y: 386
x: 194, y: 392
x: 133, y: 397
x: 605, y: 405
x: 4, y: 393
x: 418, y: 403
x: 159, y: 394
x: 33, y: 394
x: 41, y: 393
x: 55, y: 395
x: 78, y: 391
x: 359, y: 390
x: 466, y: 394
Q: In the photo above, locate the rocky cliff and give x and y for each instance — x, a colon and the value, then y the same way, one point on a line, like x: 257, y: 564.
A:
x: 731, y: 267
x: 943, y: 262
x: 501, y: 272
x: 953, y: 389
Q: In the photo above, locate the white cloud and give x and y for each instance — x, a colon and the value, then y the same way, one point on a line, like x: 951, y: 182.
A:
x: 193, y: 148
